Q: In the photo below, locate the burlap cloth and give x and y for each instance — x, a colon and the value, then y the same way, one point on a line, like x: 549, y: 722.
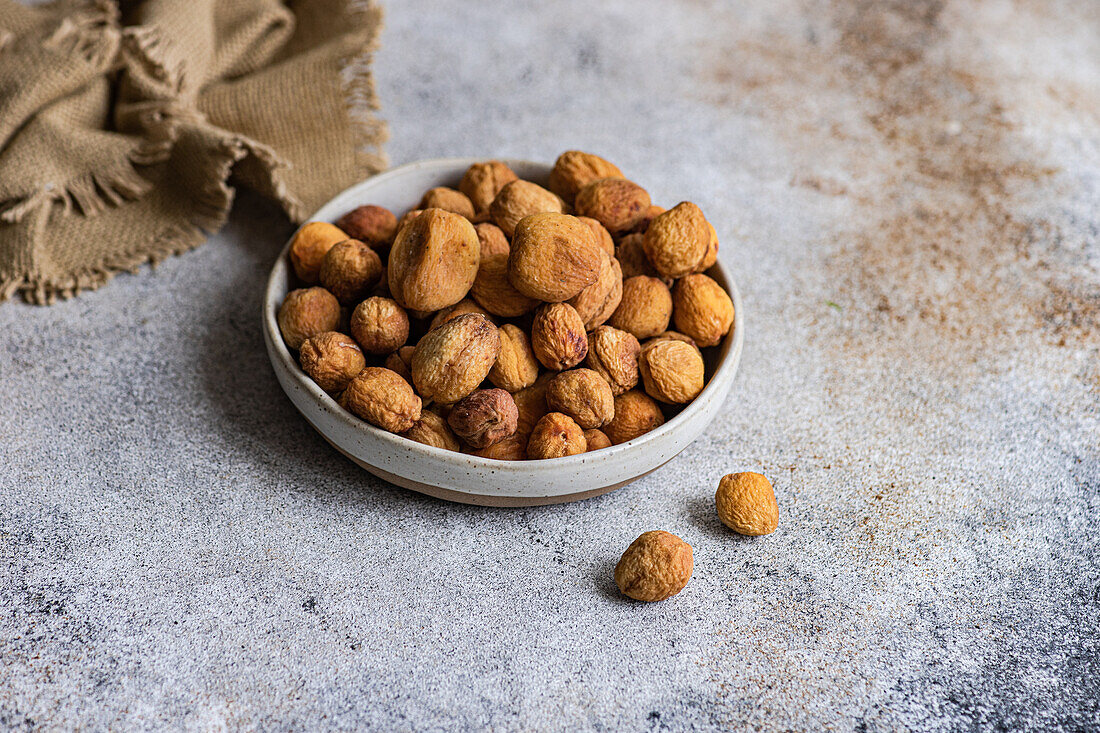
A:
x: 124, y: 127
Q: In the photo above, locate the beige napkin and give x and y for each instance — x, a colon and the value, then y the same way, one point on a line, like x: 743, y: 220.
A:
x: 124, y: 130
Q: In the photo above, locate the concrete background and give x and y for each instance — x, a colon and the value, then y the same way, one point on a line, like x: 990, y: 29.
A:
x: 907, y: 193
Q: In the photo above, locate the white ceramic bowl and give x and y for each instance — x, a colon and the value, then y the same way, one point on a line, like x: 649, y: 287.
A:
x: 470, y: 479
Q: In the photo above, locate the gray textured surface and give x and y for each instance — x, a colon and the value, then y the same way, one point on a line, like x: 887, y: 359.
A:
x: 180, y: 549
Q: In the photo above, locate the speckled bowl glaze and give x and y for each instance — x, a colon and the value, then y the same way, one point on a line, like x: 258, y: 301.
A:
x: 470, y: 479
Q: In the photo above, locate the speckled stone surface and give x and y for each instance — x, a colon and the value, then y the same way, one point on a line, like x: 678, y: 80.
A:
x: 909, y: 196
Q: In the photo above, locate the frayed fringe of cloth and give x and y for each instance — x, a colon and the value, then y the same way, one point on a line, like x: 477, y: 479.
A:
x: 91, y: 194
x: 93, y: 34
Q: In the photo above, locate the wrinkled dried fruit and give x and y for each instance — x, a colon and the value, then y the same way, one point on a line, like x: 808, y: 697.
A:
x: 484, y: 417
x: 553, y: 257
x: 712, y: 251
x: 492, y: 289
x: 702, y: 309
x: 492, y: 239
x: 519, y: 199
x: 373, y: 225
x: 650, y: 214
x: 555, y: 435
x: 677, y: 241
x: 307, y: 312
x: 349, y: 270
x: 558, y: 337
x: 451, y: 361
x: 645, y: 307
x: 433, y: 261
x: 482, y: 182
x: 613, y: 354
x: 616, y: 203
x: 635, y: 414
x: 331, y: 359
x: 309, y: 247
x: 573, y: 170
x: 595, y: 440
x: 380, y: 325
x: 461, y: 308
x: 583, y: 395
x: 399, y: 362
x: 531, y: 403
x: 567, y: 289
x: 598, y: 301
x: 512, y: 448
x: 442, y: 410
x: 746, y: 504
x: 672, y: 371
x: 603, y: 237
x: 447, y: 199
x: 408, y: 218
x: 431, y: 429
x: 632, y: 258
x: 383, y: 398
x: 516, y: 367
x: 656, y: 566
x: 675, y: 335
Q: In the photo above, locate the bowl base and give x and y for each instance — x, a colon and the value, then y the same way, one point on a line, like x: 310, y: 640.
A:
x: 463, y: 497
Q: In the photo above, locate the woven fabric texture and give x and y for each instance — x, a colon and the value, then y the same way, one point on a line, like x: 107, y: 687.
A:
x: 126, y: 127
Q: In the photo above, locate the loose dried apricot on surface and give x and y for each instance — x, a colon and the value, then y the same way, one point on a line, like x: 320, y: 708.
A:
x: 656, y: 566
x: 491, y: 321
x: 746, y: 504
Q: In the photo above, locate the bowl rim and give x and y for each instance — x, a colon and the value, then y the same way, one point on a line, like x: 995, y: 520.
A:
x: 716, y: 387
